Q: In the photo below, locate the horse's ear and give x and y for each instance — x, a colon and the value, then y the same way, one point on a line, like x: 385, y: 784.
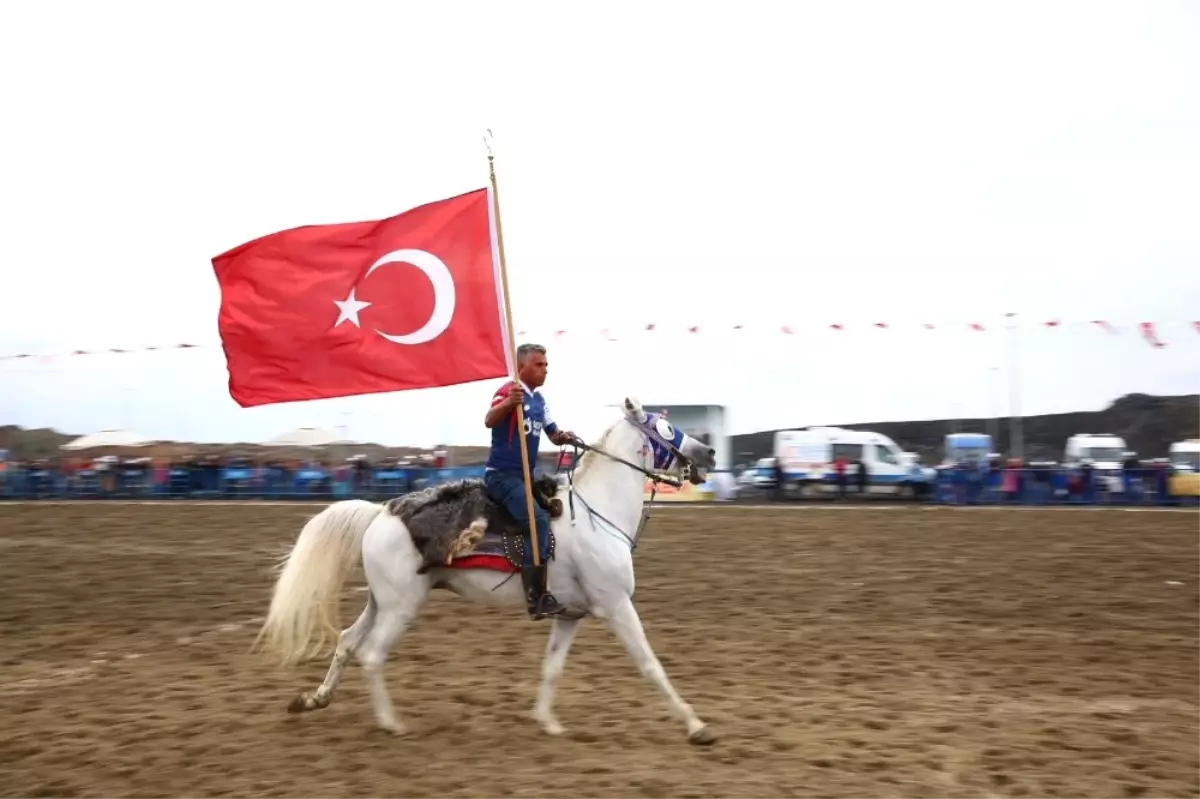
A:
x: 633, y: 407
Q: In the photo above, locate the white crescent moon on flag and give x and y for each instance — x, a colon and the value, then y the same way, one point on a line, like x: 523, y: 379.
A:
x: 443, y: 294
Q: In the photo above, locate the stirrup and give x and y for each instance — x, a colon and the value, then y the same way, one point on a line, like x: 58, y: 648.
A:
x: 544, y: 606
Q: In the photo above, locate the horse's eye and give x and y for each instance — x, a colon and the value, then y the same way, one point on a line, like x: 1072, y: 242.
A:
x: 665, y: 429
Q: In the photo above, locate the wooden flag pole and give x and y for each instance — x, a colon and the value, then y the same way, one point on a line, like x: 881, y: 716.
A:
x: 512, y: 343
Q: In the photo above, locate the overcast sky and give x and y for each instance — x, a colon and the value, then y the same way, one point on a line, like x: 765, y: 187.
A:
x: 781, y: 164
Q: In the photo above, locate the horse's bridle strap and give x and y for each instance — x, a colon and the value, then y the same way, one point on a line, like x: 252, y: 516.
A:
x: 655, y: 477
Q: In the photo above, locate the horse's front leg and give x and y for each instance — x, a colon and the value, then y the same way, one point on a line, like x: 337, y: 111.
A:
x: 562, y: 633
x: 627, y: 625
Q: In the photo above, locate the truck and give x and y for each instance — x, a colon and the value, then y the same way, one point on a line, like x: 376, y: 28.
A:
x: 1104, y: 452
x: 963, y: 448
x: 806, y: 460
x: 1185, y: 456
x: 1184, y: 480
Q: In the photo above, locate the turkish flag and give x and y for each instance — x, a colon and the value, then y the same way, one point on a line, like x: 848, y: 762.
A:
x: 413, y: 301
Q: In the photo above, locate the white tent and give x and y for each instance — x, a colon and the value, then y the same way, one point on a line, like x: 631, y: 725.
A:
x: 108, y: 438
x: 306, y: 437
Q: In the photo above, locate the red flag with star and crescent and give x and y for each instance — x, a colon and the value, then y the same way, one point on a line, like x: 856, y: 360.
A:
x: 412, y: 301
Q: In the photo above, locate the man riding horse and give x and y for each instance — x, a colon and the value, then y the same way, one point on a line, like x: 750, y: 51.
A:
x: 503, y: 478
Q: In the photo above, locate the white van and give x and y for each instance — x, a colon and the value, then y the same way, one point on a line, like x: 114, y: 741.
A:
x: 806, y: 459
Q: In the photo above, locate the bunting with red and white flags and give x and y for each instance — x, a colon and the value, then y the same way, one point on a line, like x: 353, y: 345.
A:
x: 1151, y: 332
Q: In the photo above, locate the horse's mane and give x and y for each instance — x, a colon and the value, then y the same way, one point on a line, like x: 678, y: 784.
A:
x: 590, y: 457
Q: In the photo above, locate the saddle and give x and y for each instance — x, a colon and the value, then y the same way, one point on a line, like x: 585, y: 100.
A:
x: 459, y: 519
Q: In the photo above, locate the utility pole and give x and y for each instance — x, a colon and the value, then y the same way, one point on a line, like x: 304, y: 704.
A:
x: 1015, y: 431
x: 993, y: 410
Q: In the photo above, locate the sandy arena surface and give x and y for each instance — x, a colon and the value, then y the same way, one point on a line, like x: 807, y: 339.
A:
x: 897, y: 652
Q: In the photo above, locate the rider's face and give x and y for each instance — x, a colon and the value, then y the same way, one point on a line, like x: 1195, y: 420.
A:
x: 533, y: 371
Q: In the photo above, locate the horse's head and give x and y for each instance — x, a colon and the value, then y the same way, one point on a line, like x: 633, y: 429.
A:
x: 663, y: 447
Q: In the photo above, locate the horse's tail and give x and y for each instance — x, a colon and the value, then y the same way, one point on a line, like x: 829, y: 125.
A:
x: 309, y: 585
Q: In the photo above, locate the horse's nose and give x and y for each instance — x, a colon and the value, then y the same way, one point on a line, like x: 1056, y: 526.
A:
x: 712, y: 453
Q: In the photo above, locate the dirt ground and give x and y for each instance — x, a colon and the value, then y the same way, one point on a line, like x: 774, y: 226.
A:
x: 873, y: 652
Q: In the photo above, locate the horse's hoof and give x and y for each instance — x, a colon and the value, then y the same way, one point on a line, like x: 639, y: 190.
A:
x: 702, y: 737
x: 300, y: 704
x: 395, y: 729
x: 548, y: 723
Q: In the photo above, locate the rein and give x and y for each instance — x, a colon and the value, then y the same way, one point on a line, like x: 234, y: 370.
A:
x: 655, y: 477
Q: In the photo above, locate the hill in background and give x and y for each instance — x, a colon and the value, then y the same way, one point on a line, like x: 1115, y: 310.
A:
x: 1148, y: 424
x: 31, y: 444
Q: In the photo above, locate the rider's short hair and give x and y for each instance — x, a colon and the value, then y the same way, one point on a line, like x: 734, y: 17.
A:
x: 525, y: 350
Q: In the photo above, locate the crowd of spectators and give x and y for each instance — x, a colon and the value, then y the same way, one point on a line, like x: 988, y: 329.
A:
x: 996, y: 481
x: 266, y: 477
x: 217, y: 476
x: 1012, y: 481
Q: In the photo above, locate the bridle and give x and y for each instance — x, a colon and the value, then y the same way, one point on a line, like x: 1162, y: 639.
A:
x: 656, y: 478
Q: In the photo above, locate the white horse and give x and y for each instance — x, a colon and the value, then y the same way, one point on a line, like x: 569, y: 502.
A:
x: 591, y: 572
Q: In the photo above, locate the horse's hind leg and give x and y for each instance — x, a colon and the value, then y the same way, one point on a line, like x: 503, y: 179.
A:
x: 348, y: 642
x: 392, y: 621
x: 562, y: 633
x: 390, y: 562
x: 627, y: 625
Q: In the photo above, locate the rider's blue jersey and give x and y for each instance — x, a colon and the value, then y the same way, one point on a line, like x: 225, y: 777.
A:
x: 505, y: 455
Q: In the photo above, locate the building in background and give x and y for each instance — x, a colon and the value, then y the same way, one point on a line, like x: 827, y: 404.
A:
x: 705, y: 422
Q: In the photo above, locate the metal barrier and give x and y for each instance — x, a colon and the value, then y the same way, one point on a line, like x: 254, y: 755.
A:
x: 1027, y: 486
x: 262, y: 483
x: 1062, y: 487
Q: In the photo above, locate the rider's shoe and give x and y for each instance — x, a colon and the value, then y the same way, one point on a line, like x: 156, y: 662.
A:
x: 539, y: 602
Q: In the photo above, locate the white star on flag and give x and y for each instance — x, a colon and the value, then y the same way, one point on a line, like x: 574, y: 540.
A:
x: 348, y: 309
